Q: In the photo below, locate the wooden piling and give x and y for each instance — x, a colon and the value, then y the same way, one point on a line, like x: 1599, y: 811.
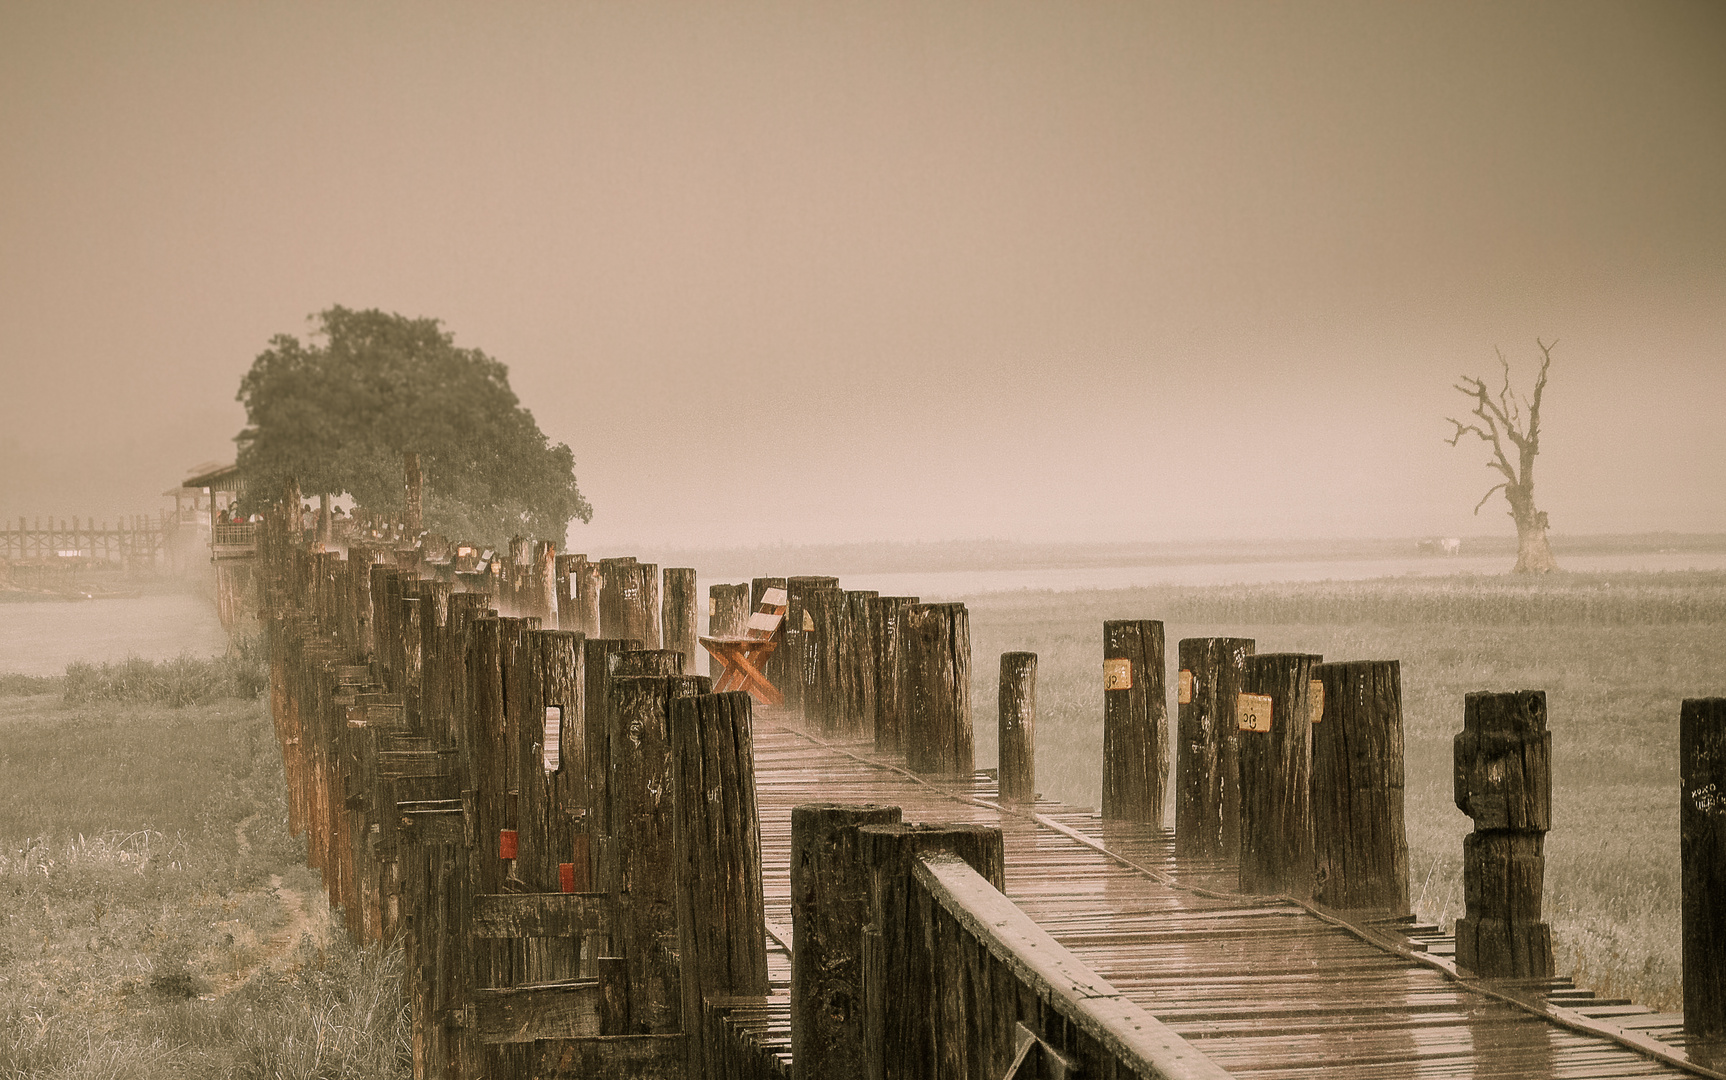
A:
x: 1702, y: 854
x: 1016, y: 771
x: 567, y: 572
x: 820, y: 646
x: 721, y: 922
x: 1135, y: 722
x: 1207, y: 746
x: 1359, y: 841
x: 785, y: 666
x: 857, y: 664
x: 898, y: 968
x: 597, y: 657
x: 829, y: 908
x: 887, y: 623
x: 1274, y: 718
x: 1504, y: 782
x: 643, y: 845
x: 678, y: 614
x: 938, y: 737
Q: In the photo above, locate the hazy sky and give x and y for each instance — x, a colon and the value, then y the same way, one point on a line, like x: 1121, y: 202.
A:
x: 1042, y: 271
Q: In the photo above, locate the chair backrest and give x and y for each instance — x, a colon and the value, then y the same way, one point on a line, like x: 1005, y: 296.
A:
x: 764, y: 623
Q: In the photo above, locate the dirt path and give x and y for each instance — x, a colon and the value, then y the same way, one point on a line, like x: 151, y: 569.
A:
x: 303, y: 917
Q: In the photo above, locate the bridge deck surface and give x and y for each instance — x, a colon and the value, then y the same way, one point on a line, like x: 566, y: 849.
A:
x: 1263, y: 986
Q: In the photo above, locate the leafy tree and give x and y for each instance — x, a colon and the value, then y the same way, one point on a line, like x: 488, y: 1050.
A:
x: 1507, y: 417
x: 338, y: 412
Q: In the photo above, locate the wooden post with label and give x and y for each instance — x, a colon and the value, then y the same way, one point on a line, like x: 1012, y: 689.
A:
x: 1359, y: 841
x: 829, y: 908
x: 1702, y: 855
x: 1016, y: 772
x: 1504, y: 782
x: 938, y: 737
x: 678, y: 614
x: 1274, y: 717
x: 1207, y: 746
x: 1135, y: 722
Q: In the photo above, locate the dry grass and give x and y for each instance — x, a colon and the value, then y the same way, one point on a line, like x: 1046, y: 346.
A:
x: 1615, y: 654
x: 144, y: 866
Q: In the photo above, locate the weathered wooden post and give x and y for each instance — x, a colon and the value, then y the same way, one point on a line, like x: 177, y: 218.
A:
x: 887, y: 621
x: 678, y: 614
x: 621, y: 614
x: 543, y: 584
x: 938, y: 736
x: 1135, y: 722
x: 728, y: 610
x: 1702, y: 855
x: 1207, y: 747
x: 1504, y: 782
x: 567, y: 572
x: 1359, y: 840
x: 900, y: 1016
x: 587, y: 582
x: 821, y: 646
x: 785, y: 666
x: 829, y: 908
x: 721, y: 921
x: 1274, y: 716
x: 643, y: 845
x: 597, y: 657
x: 1016, y: 771
x: 857, y: 664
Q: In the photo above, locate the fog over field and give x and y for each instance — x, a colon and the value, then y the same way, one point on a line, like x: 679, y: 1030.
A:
x: 1036, y: 272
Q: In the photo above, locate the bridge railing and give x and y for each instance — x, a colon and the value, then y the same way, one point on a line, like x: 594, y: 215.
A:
x: 958, y: 981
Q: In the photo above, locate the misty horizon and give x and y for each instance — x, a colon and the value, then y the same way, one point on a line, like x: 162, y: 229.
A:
x: 1112, y: 274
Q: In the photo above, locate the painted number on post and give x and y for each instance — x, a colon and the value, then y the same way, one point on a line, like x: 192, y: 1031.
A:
x: 1118, y: 674
x: 1315, y: 696
x: 1253, y: 712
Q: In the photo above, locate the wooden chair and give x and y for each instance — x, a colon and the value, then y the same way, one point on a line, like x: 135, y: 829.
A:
x: 742, y: 658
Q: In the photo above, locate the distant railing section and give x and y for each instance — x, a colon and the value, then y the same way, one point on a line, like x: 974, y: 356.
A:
x: 136, y: 540
x: 234, y: 540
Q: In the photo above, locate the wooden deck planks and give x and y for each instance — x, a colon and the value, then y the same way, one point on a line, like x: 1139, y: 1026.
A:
x: 1265, y: 989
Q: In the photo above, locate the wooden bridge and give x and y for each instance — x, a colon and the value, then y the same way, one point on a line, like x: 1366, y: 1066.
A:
x: 598, y: 868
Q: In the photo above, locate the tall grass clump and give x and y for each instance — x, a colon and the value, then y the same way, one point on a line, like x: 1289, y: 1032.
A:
x: 184, y: 680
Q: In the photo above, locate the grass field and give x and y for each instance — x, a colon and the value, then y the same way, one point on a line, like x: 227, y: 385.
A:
x: 1615, y: 654
x: 159, y: 920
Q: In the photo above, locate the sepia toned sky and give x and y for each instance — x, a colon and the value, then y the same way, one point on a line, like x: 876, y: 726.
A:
x: 928, y: 270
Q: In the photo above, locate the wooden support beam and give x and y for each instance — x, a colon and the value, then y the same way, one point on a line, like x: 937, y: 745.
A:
x: 525, y: 1014
x: 639, y: 1057
x: 887, y: 622
x: 539, y: 915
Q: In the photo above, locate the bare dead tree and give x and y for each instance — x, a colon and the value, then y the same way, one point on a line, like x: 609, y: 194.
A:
x: 1510, y: 417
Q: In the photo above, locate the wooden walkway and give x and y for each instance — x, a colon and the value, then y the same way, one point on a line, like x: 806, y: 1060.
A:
x: 1263, y: 986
